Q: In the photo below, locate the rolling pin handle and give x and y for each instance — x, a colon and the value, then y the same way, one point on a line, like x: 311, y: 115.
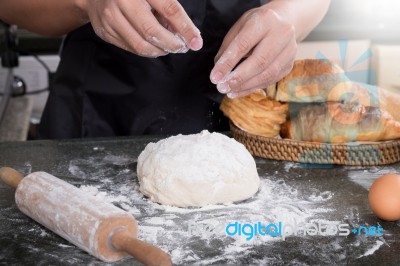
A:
x: 140, y: 250
x: 10, y: 176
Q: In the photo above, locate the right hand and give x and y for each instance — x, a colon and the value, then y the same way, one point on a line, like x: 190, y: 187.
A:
x: 148, y: 28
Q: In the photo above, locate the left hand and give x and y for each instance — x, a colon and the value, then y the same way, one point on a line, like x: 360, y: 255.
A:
x: 266, y: 45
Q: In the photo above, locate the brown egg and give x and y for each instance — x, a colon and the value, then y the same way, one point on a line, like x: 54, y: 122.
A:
x: 384, y: 197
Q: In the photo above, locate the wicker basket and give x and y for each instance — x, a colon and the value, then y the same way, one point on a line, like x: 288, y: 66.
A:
x: 374, y: 153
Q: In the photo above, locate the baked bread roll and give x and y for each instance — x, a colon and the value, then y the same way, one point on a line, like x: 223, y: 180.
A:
x: 314, y: 81
x: 336, y: 122
x: 333, y: 108
x: 309, y: 81
x: 256, y: 113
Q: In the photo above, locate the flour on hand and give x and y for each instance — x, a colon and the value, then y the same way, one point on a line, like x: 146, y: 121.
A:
x: 197, y: 170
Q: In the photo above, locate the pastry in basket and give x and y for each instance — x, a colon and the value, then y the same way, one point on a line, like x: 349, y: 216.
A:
x: 308, y: 81
x: 256, y: 113
x: 313, y: 81
x: 337, y: 122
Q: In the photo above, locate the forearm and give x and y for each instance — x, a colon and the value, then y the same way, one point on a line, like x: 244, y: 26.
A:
x: 304, y: 15
x: 56, y: 17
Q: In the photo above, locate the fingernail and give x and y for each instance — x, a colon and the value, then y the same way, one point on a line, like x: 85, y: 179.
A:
x: 216, y: 58
x: 232, y: 95
x: 216, y: 77
x: 183, y: 49
x: 181, y: 40
x: 223, y: 87
x: 196, y: 43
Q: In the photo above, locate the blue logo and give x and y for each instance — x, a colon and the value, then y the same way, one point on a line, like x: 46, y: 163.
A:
x: 361, y: 76
x: 283, y: 230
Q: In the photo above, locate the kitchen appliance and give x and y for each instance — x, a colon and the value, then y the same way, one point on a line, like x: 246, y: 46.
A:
x: 9, y: 60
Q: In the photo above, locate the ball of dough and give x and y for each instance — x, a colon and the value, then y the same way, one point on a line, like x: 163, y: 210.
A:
x: 197, y: 170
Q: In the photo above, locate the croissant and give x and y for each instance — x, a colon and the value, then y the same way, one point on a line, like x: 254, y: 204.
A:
x: 256, y: 113
x: 308, y: 81
x: 336, y: 122
x: 315, y: 81
x: 332, y: 108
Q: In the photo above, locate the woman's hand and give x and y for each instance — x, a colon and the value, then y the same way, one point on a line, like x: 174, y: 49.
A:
x: 149, y: 28
x: 259, y: 50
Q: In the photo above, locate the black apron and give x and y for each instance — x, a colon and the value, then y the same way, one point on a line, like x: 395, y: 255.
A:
x: 100, y: 90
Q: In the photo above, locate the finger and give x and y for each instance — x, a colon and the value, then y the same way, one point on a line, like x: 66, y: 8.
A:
x: 262, y: 56
x: 229, y: 37
x: 153, y: 32
x: 248, y: 37
x: 174, y: 13
x: 274, y: 72
x: 126, y: 37
x: 232, y: 33
x: 234, y: 95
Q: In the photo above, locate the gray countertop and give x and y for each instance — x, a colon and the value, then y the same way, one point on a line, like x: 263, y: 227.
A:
x: 310, y: 196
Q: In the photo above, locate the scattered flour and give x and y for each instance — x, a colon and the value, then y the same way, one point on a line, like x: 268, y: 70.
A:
x: 196, y: 236
x: 365, y: 178
x: 180, y: 230
x: 320, y: 196
x: 188, y: 234
x: 64, y: 246
x: 290, y: 165
x: 372, y: 250
x: 102, y: 195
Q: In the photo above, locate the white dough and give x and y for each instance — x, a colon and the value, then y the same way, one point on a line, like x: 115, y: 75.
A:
x: 197, y: 170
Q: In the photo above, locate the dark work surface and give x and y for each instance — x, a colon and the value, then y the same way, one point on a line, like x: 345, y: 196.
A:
x: 327, y: 193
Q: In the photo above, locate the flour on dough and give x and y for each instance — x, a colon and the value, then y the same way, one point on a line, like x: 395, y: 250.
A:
x: 197, y: 170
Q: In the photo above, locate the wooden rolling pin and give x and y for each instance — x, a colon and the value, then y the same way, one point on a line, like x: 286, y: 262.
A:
x: 99, y: 228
